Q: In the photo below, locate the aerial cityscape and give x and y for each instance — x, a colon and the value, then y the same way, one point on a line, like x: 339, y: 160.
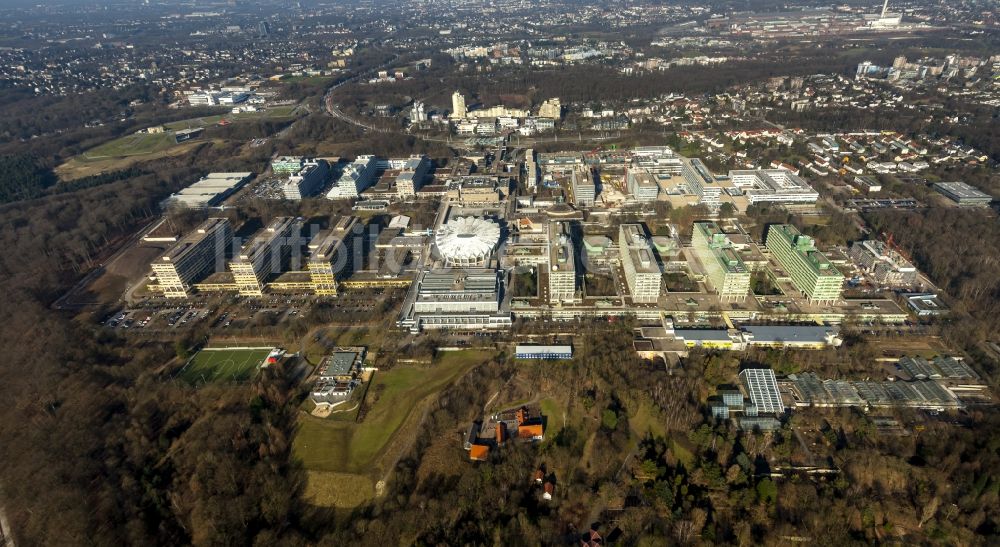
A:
x: 563, y: 272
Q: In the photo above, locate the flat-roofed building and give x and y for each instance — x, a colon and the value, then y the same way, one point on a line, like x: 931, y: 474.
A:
x: 562, y: 267
x: 357, y: 176
x: 287, y: 164
x: 531, y: 169
x: 559, y: 162
x: 868, y: 184
x: 264, y: 255
x: 194, y: 257
x: 762, y: 389
x: 642, y: 185
x: 523, y: 351
x: 307, y: 181
x: 811, y: 271
x: 657, y: 160
x: 475, y: 191
x: 330, y: 255
x: 209, y: 191
x: 772, y: 186
x: 885, y: 264
x: 791, y: 336
x: 412, y: 175
x: 584, y: 188
x: 702, y: 183
x: 963, y: 194
x: 465, y: 299
x: 724, y: 268
x: 642, y: 271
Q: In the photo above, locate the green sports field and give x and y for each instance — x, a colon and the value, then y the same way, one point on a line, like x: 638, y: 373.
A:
x: 223, y: 365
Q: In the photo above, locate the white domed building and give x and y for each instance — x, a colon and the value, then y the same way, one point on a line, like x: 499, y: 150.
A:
x: 467, y: 241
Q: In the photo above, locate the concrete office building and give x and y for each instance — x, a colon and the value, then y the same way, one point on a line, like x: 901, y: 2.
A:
x: 642, y: 271
x: 531, y: 169
x: 468, y: 299
x: 724, y: 268
x: 963, y: 194
x: 330, y: 255
x: 886, y: 265
x: 701, y: 182
x: 266, y: 254
x: 412, y: 175
x: 772, y: 186
x: 357, y: 176
x: 657, y: 160
x: 475, y: 191
x: 810, y: 271
x: 550, y: 108
x: 562, y: 267
x: 458, y: 110
x: 192, y: 258
x: 308, y: 181
x: 762, y: 388
x: 584, y: 189
x: 642, y: 185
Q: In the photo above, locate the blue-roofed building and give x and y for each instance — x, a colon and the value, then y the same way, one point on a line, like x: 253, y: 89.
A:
x: 795, y: 336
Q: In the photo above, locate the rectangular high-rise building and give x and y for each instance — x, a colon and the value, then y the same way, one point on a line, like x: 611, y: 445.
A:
x: 264, y: 255
x: 702, y: 183
x: 811, y: 272
x: 531, y: 169
x: 330, y: 255
x: 458, y: 110
x: 642, y: 271
x: 412, y: 176
x: 642, y: 185
x: 562, y: 269
x: 725, y: 269
x: 584, y: 189
x: 193, y: 257
x: 357, y: 176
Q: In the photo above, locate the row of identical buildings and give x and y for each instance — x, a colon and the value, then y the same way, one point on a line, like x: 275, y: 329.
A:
x: 210, y: 249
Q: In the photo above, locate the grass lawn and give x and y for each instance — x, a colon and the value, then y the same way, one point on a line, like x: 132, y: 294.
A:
x: 228, y: 365
x: 344, y: 446
x: 645, y: 421
x: 80, y: 166
x: 341, y: 490
x: 138, y: 144
x: 553, y: 412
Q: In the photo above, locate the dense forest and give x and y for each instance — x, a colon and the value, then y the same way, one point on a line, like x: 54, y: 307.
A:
x: 23, y: 177
x: 958, y: 251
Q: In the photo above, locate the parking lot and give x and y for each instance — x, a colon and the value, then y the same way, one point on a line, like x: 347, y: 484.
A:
x: 169, y: 318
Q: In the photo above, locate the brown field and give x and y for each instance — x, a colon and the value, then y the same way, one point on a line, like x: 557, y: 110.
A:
x: 340, y: 490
